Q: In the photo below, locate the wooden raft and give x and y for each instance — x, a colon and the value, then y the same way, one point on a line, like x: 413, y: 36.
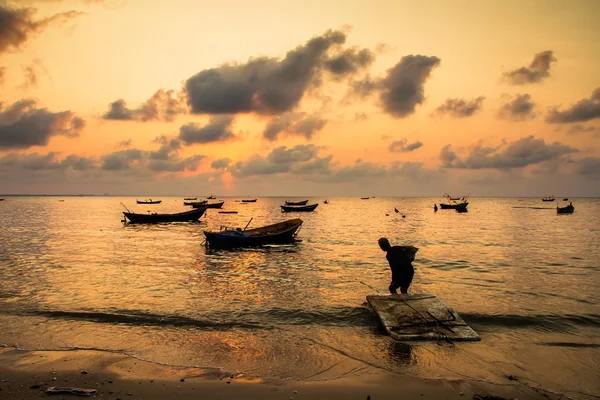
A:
x: 420, y: 317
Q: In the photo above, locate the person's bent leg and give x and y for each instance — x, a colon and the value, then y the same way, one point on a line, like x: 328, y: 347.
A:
x: 394, y: 287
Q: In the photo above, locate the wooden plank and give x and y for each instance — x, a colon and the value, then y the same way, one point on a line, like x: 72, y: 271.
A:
x: 420, y: 317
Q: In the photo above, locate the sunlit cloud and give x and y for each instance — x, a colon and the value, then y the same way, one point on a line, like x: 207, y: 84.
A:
x: 584, y: 110
x: 460, y: 108
x: 517, y: 108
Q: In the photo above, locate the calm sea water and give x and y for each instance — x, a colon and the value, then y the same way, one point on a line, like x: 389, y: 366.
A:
x: 72, y: 275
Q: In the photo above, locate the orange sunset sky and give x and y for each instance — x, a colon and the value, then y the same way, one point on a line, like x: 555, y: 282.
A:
x: 310, y: 98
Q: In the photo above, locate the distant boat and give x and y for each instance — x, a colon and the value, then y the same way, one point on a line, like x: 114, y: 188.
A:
x: 454, y: 203
x: 548, y: 198
x: 149, y: 201
x: 1, y: 199
x: 248, y: 200
x: 305, y: 208
x: 364, y: 198
x: 186, y: 216
x: 211, y: 197
x: 218, y: 204
x: 282, y: 232
x: 565, y: 199
x: 296, y: 203
x: 190, y: 198
x: 326, y: 202
x: 195, y: 203
x: 565, y: 210
x: 228, y: 212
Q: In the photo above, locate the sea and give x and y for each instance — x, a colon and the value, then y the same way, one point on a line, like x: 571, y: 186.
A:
x: 74, y: 276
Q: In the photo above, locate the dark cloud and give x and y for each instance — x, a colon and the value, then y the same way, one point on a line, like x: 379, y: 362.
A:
x: 518, y: 108
x: 41, y: 162
x: 349, y: 62
x: 536, y: 72
x: 402, y: 146
x: 121, y: 160
x: 402, y: 89
x: 584, y: 110
x: 125, y: 143
x: 301, y: 159
x: 18, y: 24
x: 221, y: 163
x: 163, y: 105
x: 460, y: 108
x: 294, y: 123
x: 165, y: 159
x: 22, y: 125
x: 218, y: 129
x: 273, y: 86
x: 589, y: 167
x: 521, y: 153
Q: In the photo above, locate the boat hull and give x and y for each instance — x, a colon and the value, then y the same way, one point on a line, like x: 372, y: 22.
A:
x: 282, y: 232
x: 149, y: 202
x: 214, y: 205
x: 188, y: 216
x: 453, y: 206
x: 310, y: 207
x: 296, y: 203
x: 565, y: 210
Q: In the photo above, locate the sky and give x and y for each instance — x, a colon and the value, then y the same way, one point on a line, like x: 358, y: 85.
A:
x: 312, y: 98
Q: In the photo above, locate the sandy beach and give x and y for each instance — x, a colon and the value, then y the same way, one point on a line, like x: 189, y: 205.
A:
x: 28, y: 374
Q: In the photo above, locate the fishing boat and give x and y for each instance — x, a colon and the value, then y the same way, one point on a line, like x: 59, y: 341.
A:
x: 364, y: 198
x: 462, y: 208
x: 454, y: 203
x: 149, y: 201
x: 565, y: 210
x: 296, y: 203
x: 190, y: 198
x: 136, y: 218
x: 548, y: 198
x: 211, y: 197
x: 326, y: 202
x: 217, y: 204
x: 309, y: 207
x: 1, y: 199
x: 195, y: 203
x: 281, y: 232
x: 248, y: 200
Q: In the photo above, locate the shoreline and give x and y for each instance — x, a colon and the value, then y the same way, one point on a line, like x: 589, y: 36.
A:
x: 26, y: 374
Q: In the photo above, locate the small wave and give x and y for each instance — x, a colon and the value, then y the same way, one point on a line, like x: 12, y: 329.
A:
x: 570, y: 344
x: 549, y: 323
x: 255, y: 319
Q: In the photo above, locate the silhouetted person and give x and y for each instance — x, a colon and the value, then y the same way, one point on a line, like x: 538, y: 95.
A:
x: 435, y: 207
x: 400, y: 259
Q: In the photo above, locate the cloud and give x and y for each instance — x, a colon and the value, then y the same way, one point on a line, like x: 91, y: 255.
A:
x: 22, y: 125
x: 272, y: 86
x: 589, y: 167
x: 125, y: 143
x: 349, y: 62
x: 538, y: 70
x: 41, y: 162
x: 584, y: 110
x: 218, y: 129
x: 165, y: 159
x: 521, y: 153
x: 162, y: 105
x: 301, y: 159
x: 582, y: 129
x: 401, y: 146
x: 17, y: 25
x: 519, y: 108
x: 2, y: 75
x: 221, y: 163
x: 402, y: 89
x: 460, y: 108
x: 294, y: 123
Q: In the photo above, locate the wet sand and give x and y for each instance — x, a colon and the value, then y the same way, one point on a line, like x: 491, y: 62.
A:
x: 27, y: 374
